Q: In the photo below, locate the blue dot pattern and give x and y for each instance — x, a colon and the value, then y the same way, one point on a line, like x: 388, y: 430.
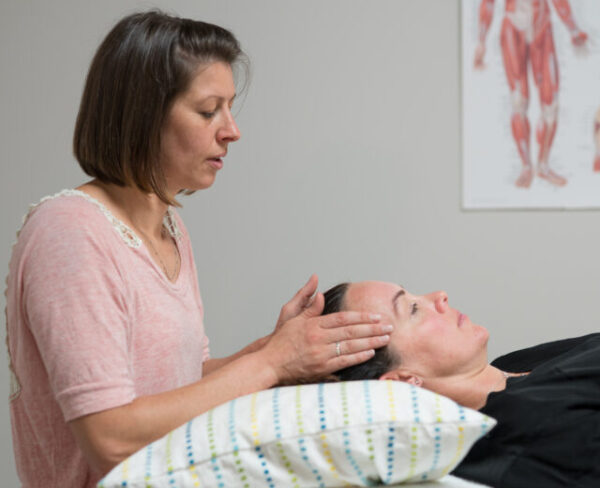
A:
x: 148, y: 475
x: 391, y: 439
x: 276, y: 422
x: 189, y: 447
x: 437, y: 438
x: 322, y: 418
x: 302, y: 443
x: 213, y: 457
x: 367, y: 397
x: 461, y: 413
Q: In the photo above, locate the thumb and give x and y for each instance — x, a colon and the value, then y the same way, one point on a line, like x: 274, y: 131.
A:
x: 316, y: 307
x: 311, y: 286
x: 303, y: 297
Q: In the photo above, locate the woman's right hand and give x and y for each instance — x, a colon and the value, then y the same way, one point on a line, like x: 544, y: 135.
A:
x: 304, y: 348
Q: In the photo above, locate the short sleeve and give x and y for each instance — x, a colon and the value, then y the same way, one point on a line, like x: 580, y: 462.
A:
x: 74, y: 303
x: 205, y: 349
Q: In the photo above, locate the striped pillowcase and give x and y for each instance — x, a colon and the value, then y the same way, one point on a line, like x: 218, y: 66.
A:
x: 358, y: 433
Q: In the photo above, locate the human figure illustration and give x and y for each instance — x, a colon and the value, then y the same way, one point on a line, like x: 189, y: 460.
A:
x: 597, y: 141
x: 526, y: 40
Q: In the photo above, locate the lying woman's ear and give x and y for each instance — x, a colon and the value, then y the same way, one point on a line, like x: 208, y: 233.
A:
x: 402, y: 375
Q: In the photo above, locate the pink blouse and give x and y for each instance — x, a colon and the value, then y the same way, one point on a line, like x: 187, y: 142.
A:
x: 92, y: 323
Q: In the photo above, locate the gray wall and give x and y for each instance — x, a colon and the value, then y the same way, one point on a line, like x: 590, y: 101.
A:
x: 349, y: 166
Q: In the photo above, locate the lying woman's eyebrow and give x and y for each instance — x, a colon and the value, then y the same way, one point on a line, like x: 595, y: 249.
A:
x: 395, y: 299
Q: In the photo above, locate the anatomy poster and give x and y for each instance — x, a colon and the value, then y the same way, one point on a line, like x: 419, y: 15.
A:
x: 531, y: 103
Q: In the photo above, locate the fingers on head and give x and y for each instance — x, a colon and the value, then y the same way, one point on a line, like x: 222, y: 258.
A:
x: 346, y: 360
x: 364, y: 344
x: 374, y: 331
x: 341, y: 319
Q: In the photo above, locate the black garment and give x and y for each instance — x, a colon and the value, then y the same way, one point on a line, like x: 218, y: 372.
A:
x: 548, y: 431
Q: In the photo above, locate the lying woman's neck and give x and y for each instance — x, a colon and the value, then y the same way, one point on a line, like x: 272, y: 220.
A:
x: 469, y: 389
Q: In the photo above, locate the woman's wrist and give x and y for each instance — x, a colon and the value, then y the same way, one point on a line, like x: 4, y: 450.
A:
x: 271, y: 366
x: 267, y: 373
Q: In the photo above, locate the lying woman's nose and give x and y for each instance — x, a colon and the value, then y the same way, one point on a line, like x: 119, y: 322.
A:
x: 440, y: 299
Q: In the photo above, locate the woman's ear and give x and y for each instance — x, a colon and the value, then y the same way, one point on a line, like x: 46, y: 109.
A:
x: 401, y: 375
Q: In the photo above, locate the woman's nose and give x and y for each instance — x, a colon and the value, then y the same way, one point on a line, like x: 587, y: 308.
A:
x: 440, y: 300
x: 229, y: 132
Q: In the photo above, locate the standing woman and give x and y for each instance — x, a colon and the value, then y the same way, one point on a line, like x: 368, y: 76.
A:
x: 104, y: 315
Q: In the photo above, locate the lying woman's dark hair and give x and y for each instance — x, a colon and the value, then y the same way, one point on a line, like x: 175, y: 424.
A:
x: 384, y: 359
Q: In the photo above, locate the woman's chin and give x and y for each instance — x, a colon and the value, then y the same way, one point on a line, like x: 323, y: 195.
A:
x: 198, y: 185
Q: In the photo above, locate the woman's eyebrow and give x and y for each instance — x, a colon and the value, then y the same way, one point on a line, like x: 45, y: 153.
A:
x: 399, y: 294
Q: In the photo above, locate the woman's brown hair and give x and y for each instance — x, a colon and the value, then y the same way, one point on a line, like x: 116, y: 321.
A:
x: 144, y: 62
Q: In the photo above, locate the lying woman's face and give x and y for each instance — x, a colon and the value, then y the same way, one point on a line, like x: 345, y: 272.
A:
x: 431, y: 338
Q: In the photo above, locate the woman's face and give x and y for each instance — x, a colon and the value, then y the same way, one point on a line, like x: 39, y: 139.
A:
x: 432, y: 339
x: 198, y: 129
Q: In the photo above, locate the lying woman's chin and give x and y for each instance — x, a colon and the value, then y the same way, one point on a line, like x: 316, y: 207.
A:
x: 483, y: 334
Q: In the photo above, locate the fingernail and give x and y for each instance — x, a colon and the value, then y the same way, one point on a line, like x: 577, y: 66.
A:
x: 375, y: 316
x: 384, y: 339
x: 388, y: 328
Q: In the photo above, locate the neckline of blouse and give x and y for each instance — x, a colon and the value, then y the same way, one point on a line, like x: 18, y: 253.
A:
x: 127, y: 234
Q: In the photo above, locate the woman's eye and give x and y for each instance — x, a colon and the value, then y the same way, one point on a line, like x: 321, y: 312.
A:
x: 207, y: 115
x: 414, y: 309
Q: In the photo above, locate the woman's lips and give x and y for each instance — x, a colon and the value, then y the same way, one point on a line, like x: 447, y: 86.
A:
x: 461, y: 319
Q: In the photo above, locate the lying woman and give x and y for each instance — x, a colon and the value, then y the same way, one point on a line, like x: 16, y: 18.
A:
x: 546, y: 398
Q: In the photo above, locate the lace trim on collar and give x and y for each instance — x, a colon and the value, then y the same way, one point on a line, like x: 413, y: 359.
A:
x: 127, y: 234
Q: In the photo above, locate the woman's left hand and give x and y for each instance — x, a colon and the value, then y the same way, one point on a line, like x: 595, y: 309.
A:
x: 311, y: 346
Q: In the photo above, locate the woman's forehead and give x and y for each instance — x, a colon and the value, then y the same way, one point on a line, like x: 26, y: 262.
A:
x: 375, y: 296
x: 213, y: 79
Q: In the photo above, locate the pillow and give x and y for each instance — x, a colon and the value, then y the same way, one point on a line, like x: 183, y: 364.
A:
x: 333, y: 434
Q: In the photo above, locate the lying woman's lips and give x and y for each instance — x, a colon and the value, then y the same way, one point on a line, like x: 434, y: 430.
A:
x: 216, y: 163
x: 461, y: 319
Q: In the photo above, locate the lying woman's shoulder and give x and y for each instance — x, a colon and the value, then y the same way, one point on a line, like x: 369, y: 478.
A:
x: 529, y: 358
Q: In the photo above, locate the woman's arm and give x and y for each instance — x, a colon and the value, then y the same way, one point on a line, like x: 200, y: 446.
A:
x: 109, y: 436
x: 303, y: 348
x: 211, y: 365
